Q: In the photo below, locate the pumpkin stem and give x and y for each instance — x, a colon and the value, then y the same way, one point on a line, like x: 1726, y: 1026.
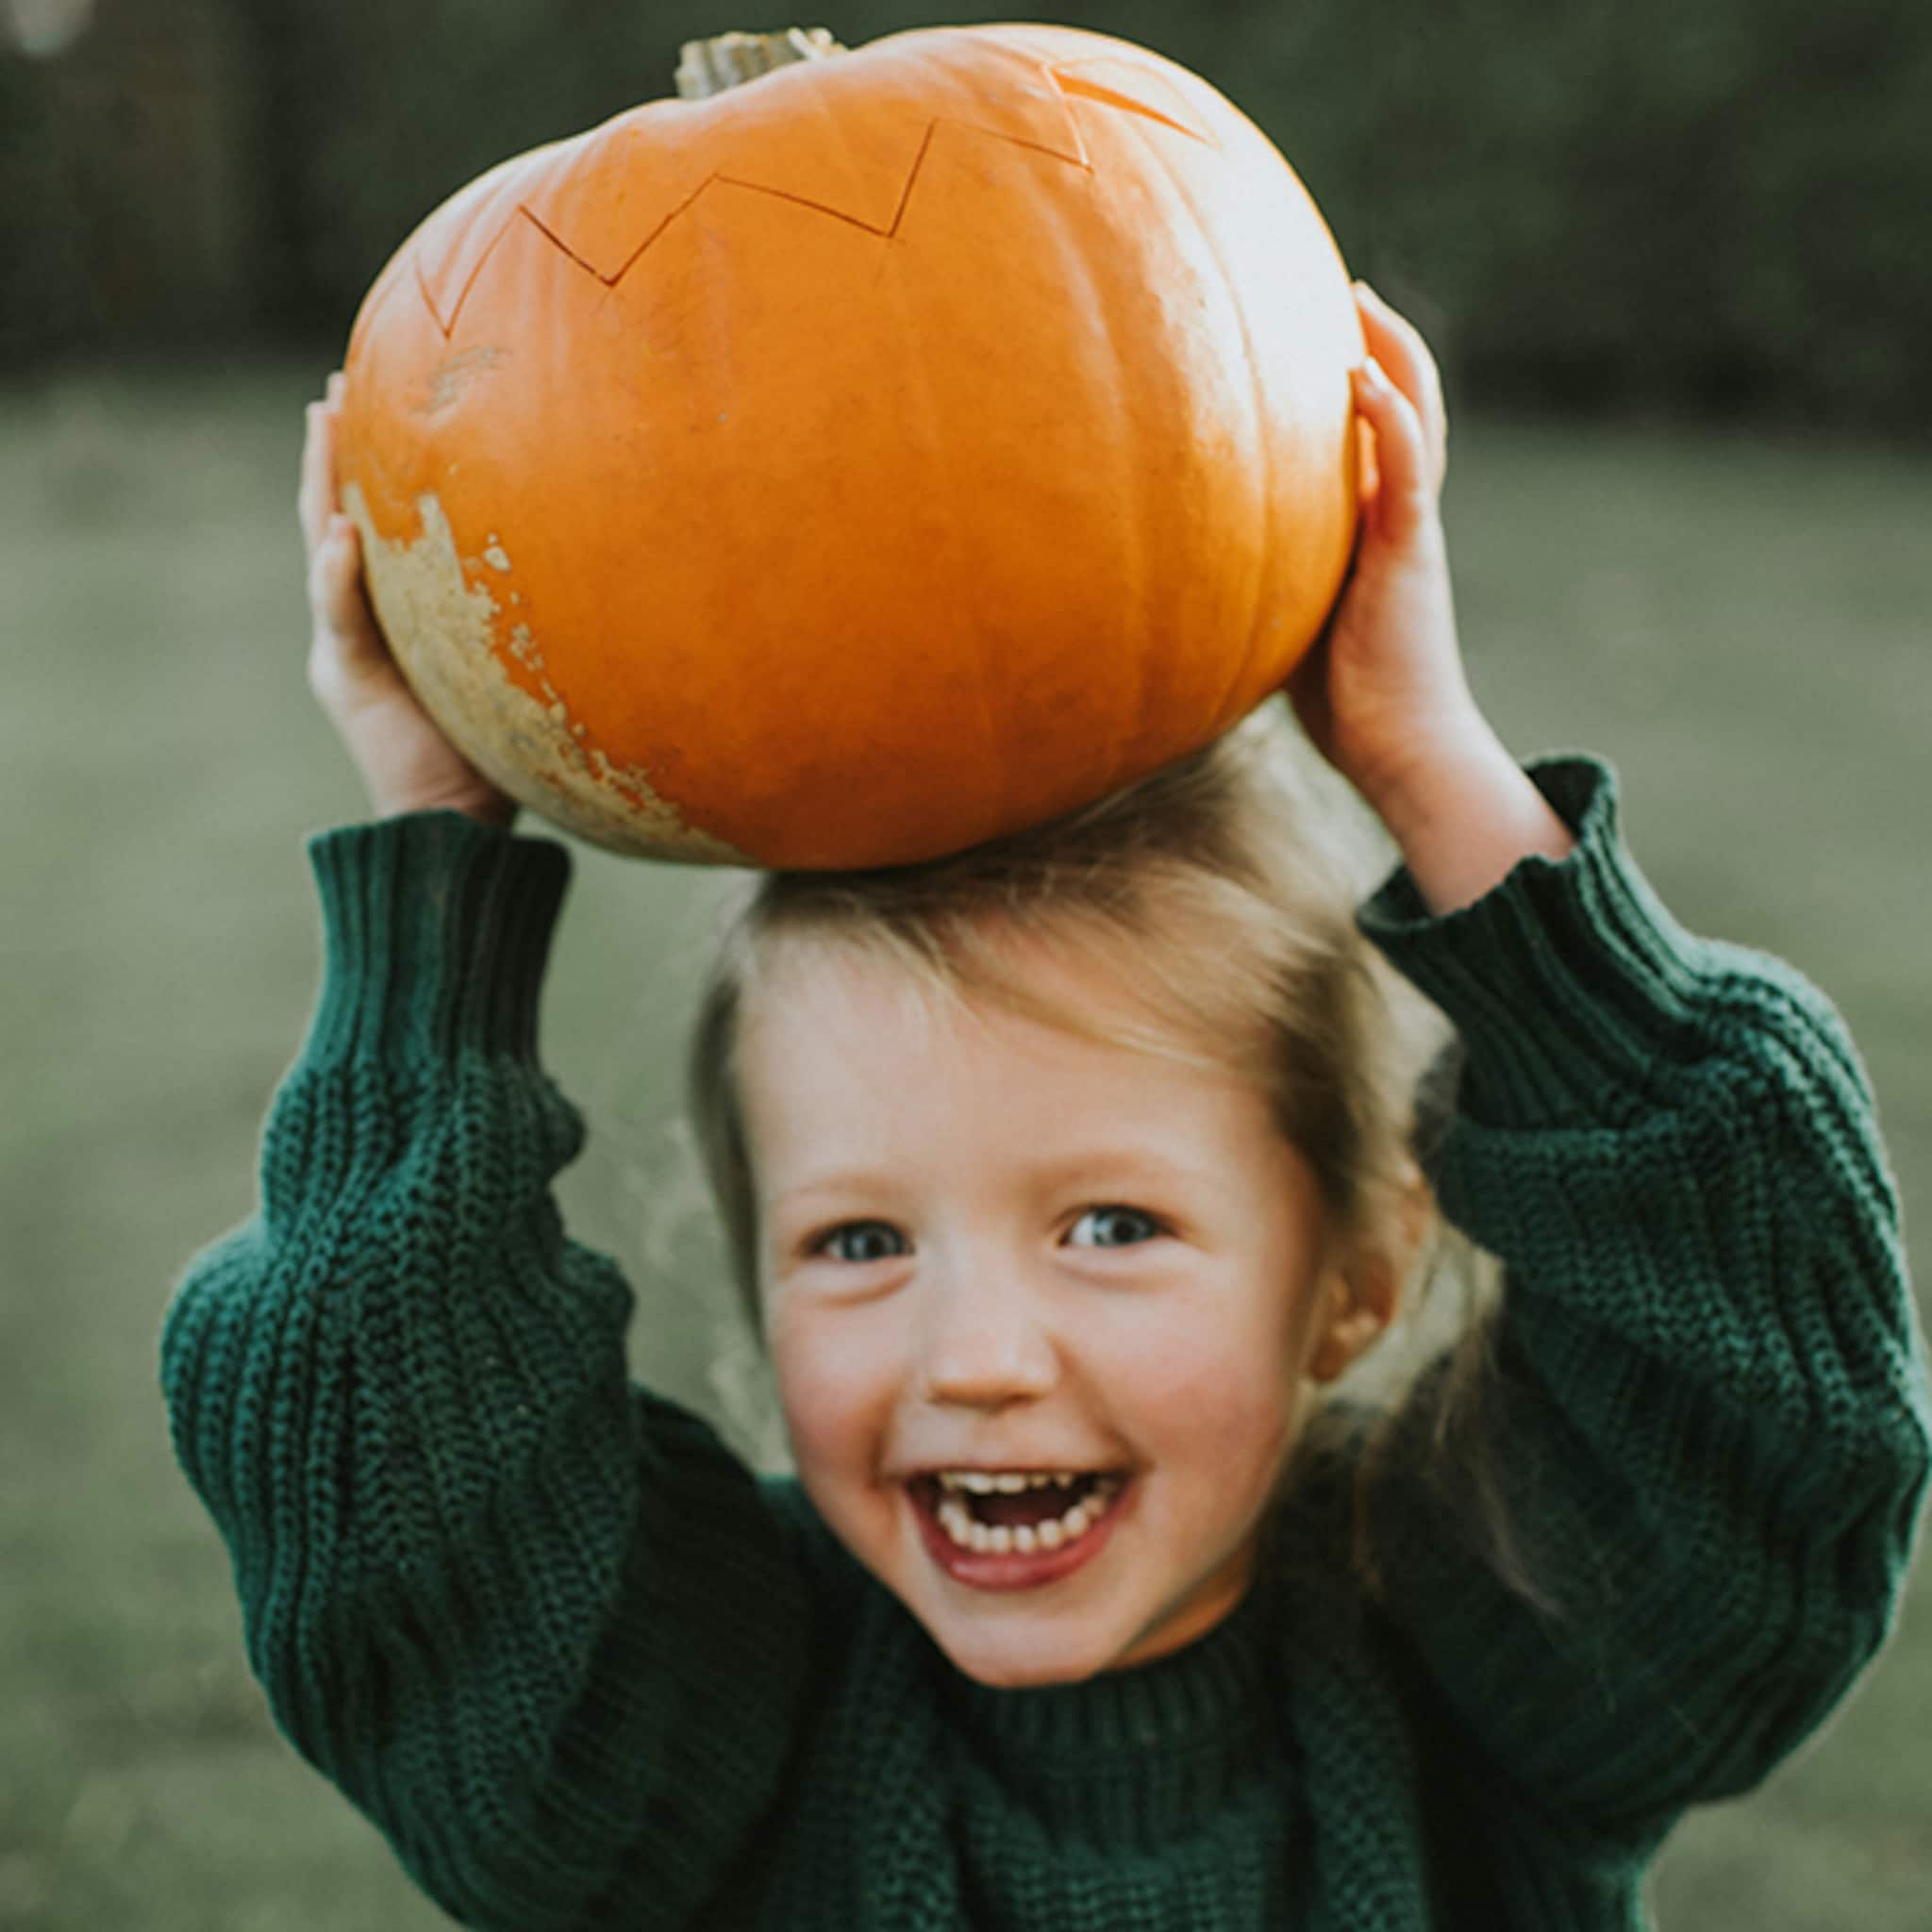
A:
x: 708, y: 67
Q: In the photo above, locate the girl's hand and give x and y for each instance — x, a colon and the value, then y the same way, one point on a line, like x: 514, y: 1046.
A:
x: 1383, y: 696
x: 1385, y: 687
x: 406, y: 761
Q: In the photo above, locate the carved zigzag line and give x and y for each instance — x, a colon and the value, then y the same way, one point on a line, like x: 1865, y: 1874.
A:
x: 711, y: 182
x: 1065, y: 84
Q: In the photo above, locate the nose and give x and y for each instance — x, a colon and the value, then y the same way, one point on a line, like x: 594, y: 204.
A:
x: 985, y: 1344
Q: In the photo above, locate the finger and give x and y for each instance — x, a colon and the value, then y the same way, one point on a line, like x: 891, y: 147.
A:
x: 1397, y: 344
x: 1406, y: 476
x: 339, y: 597
x: 1368, y: 469
x: 315, y: 497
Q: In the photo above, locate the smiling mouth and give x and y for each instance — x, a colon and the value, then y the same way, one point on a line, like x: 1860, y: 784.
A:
x: 1015, y: 1515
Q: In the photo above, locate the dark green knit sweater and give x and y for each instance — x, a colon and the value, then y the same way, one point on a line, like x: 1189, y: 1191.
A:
x: 585, y: 1670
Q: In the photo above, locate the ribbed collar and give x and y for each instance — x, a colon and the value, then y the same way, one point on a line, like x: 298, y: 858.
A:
x: 1136, y: 1756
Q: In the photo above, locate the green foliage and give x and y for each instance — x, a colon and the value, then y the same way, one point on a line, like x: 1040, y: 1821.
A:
x: 38, y: 278
x: 1617, y: 202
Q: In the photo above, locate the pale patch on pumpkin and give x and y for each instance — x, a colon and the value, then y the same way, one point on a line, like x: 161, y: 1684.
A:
x: 446, y: 382
x: 442, y: 630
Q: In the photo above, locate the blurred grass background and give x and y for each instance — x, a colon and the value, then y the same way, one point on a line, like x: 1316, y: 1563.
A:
x: 1703, y: 559
x: 1740, y: 624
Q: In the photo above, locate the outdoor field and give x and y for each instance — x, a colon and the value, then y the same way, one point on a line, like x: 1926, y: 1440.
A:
x: 1740, y: 624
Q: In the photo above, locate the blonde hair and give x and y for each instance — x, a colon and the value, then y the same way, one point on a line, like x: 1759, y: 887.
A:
x: 1218, y: 896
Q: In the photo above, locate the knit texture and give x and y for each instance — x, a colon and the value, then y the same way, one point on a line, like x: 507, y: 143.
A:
x: 585, y: 1670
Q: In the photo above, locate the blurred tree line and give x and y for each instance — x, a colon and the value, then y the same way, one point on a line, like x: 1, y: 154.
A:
x: 1618, y: 204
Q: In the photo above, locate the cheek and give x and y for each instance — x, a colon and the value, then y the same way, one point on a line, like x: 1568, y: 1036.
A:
x: 1228, y: 1395
x: 1239, y: 1417
x: 836, y: 1385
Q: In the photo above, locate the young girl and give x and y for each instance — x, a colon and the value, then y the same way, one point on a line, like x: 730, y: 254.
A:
x: 1068, y: 1177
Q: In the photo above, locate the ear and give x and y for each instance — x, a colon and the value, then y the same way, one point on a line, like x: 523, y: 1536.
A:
x: 1361, y: 1306
x: 1366, y: 1294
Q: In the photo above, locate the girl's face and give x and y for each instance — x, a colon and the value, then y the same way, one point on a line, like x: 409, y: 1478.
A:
x: 992, y: 1249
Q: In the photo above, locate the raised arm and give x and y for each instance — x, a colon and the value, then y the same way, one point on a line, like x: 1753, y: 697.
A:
x: 1708, y: 1419
x: 1709, y: 1423
x: 537, y: 1623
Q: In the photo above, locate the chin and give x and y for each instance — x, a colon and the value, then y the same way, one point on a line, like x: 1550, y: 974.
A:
x: 1016, y: 1660
x: 1001, y: 1672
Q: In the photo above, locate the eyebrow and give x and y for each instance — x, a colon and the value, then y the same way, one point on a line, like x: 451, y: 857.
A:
x: 1138, y: 1165
x: 839, y: 1181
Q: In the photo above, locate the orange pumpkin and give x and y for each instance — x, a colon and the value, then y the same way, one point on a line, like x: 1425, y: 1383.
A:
x: 894, y: 450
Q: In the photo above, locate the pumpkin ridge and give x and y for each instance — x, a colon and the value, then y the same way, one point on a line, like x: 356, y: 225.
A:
x: 1227, y: 708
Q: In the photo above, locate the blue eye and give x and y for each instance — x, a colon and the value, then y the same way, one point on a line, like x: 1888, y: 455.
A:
x: 859, y: 1241
x: 1113, y: 1227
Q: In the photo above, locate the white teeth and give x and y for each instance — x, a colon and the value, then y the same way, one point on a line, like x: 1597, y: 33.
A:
x: 1011, y: 1482
x: 1000, y: 1540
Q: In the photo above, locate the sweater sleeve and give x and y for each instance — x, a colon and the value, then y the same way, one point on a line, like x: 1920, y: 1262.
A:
x: 537, y: 1623
x: 1708, y: 1420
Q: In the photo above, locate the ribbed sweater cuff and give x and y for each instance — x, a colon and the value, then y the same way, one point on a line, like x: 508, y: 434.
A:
x: 436, y: 932
x: 1572, y: 987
